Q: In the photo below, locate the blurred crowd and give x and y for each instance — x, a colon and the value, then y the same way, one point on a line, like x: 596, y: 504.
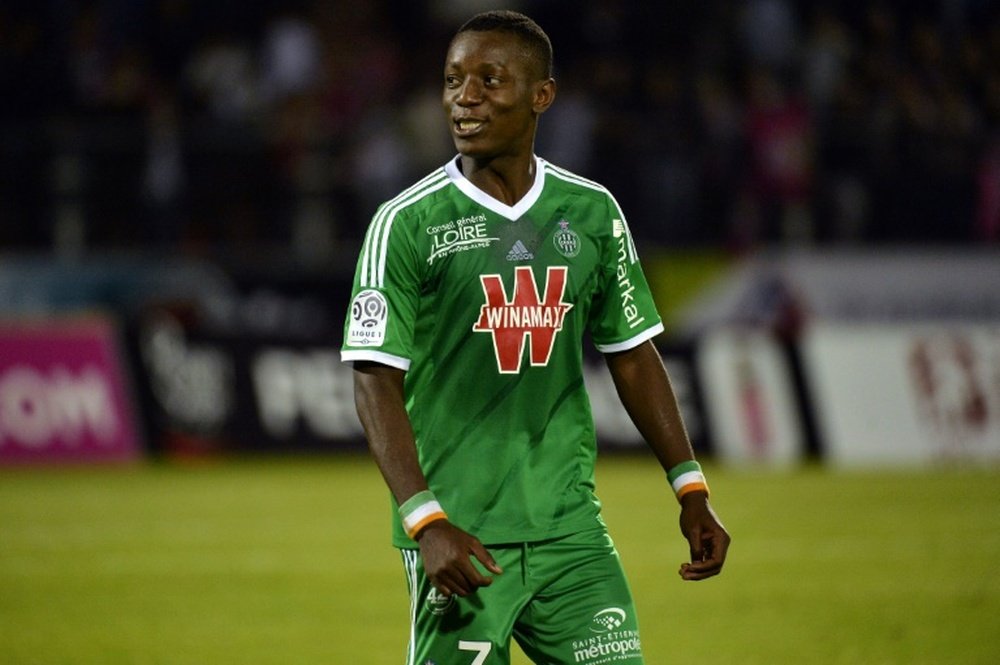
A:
x: 229, y: 126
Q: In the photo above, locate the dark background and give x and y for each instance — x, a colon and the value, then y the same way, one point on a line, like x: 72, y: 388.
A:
x: 229, y: 129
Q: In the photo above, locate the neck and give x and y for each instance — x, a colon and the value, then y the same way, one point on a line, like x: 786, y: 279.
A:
x: 506, y: 179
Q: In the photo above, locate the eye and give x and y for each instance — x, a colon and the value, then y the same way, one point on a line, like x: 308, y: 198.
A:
x: 452, y: 81
x: 492, y: 81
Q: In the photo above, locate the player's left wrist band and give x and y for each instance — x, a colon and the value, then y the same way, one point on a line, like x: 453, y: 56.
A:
x: 687, y: 477
x: 420, y: 510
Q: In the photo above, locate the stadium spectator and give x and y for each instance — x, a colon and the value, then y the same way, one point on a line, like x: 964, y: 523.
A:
x: 896, y: 104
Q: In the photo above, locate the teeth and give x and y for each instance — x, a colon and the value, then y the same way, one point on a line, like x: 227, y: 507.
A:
x: 468, y: 124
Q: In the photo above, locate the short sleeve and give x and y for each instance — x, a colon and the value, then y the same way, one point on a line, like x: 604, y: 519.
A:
x: 625, y: 314
x: 380, y: 321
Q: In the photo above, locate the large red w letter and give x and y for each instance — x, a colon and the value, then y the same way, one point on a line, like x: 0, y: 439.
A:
x: 511, y: 321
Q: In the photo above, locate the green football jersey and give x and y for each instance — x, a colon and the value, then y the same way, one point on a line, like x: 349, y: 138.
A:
x: 486, y: 307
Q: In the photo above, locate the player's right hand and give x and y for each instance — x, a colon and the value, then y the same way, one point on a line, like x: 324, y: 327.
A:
x: 447, y: 553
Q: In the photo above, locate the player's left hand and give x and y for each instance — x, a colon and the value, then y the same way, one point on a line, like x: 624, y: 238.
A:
x: 707, y: 538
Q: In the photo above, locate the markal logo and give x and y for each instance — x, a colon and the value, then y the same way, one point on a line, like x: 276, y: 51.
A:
x: 437, y: 603
x: 369, y: 312
x: 519, y: 252
x: 566, y: 241
x: 607, y: 620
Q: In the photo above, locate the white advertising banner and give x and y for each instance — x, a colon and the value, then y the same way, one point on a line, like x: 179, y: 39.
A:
x: 750, y: 399
x: 905, y: 394
x: 839, y: 285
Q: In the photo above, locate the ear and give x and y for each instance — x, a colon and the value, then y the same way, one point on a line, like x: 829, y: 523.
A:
x: 544, y: 95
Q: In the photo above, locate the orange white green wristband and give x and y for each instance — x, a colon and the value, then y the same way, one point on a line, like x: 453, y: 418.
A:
x: 420, y: 510
x: 687, y: 477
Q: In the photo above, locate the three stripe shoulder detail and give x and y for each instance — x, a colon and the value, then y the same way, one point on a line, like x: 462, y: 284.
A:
x: 376, y: 244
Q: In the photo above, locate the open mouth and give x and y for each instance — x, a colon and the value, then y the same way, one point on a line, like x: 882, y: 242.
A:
x: 468, y: 126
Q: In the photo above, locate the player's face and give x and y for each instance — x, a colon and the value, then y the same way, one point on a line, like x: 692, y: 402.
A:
x: 492, y: 95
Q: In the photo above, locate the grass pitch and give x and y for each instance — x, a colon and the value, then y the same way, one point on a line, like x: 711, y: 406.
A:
x: 288, y: 561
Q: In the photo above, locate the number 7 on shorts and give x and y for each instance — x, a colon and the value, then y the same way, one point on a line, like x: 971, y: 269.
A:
x: 482, y: 650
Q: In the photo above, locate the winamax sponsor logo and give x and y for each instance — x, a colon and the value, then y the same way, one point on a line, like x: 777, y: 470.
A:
x: 607, y: 644
x: 459, y: 235
x: 523, y: 316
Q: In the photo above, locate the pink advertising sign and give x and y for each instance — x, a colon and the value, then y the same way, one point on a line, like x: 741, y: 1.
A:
x: 63, y: 393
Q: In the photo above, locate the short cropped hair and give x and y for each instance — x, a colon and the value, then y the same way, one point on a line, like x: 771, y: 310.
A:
x: 530, y: 33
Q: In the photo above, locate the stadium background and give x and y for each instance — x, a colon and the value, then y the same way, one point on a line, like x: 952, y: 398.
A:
x: 814, y: 188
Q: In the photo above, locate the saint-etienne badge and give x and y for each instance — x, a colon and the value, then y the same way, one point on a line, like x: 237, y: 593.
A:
x: 566, y: 240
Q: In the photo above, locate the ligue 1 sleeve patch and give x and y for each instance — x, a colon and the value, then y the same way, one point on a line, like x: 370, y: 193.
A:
x: 369, y: 313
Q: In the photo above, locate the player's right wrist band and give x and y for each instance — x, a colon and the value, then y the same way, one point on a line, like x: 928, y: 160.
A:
x: 420, y: 510
x: 687, y: 477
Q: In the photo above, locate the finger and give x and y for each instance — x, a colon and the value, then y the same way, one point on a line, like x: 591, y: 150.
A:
x: 721, y: 542
x: 715, y: 544
x: 699, y: 570
x: 708, y: 566
x: 473, y: 577
x: 696, y: 545
x: 702, y: 566
x: 453, y: 582
x: 486, y: 559
x: 461, y: 588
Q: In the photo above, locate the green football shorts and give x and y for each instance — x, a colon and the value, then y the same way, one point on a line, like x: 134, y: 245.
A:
x: 566, y: 601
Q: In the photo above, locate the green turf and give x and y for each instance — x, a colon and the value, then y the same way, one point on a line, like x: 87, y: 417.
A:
x: 288, y: 562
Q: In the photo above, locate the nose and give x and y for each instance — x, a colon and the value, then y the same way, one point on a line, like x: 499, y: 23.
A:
x: 470, y: 94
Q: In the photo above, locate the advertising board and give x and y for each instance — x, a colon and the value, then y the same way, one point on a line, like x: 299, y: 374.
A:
x: 750, y: 397
x: 64, y: 394
x: 905, y: 394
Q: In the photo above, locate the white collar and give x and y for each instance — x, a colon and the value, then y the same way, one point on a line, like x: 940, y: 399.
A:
x: 513, y: 212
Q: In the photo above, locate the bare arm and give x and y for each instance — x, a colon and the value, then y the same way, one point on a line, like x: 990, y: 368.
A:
x: 646, y: 393
x: 378, y: 396
x: 445, y: 549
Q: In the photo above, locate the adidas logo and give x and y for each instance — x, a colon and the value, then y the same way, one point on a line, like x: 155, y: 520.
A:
x: 519, y: 252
